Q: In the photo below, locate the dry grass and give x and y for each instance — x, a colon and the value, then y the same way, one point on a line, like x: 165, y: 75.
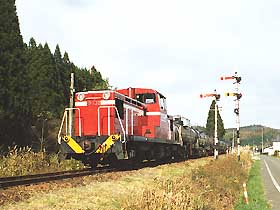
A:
x: 23, y: 161
x: 196, y: 184
x: 215, y: 186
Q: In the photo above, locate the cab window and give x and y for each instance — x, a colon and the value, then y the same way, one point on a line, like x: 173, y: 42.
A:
x: 120, y: 108
x: 147, y: 98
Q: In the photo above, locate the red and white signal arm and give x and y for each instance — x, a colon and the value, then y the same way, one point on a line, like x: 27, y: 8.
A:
x: 227, y: 78
x: 237, y: 78
x: 207, y: 95
x: 217, y: 96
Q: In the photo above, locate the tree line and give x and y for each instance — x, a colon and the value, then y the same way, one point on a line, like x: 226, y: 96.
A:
x: 34, y: 82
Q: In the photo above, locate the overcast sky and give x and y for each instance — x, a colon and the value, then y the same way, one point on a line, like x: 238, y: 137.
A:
x: 179, y: 47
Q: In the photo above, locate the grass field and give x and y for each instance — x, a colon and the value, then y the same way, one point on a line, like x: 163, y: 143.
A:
x: 202, y: 184
x: 255, y: 191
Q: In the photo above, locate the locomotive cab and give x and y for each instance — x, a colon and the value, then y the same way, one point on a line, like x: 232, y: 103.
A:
x: 155, y: 121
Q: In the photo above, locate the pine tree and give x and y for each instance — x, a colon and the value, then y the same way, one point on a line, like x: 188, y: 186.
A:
x: 89, y: 80
x: 47, y: 90
x: 50, y: 79
x: 14, y: 97
x: 64, y: 71
x: 210, y: 125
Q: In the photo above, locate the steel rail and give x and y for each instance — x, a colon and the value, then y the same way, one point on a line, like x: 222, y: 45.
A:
x: 6, y: 182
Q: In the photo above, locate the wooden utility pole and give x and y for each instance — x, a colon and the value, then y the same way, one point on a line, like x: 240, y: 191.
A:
x: 216, y: 152
x: 262, y: 139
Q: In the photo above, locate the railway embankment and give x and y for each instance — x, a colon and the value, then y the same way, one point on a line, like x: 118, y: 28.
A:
x: 193, y: 184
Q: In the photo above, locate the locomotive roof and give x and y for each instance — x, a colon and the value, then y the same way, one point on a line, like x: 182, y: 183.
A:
x: 144, y: 90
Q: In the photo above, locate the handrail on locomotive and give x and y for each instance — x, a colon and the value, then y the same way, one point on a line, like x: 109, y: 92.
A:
x: 109, y: 126
x: 65, y: 118
x: 67, y: 133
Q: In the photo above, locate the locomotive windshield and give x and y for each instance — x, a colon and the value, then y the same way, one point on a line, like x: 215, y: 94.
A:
x: 147, y: 98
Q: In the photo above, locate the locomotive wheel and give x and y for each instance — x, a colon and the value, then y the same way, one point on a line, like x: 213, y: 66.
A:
x: 113, y: 161
x: 139, y: 157
x: 93, y: 161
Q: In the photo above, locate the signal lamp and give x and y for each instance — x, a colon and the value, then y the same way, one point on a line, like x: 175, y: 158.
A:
x: 238, y: 95
x: 236, y: 111
x: 237, y: 134
x: 217, y: 96
x: 238, y: 79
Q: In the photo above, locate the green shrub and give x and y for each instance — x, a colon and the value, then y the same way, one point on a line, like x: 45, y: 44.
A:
x: 23, y: 161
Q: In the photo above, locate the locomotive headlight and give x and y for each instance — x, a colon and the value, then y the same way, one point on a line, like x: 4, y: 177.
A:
x: 106, y: 95
x: 81, y: 96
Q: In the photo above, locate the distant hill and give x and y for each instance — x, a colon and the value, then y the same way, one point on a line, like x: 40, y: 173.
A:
x: 252, y: 135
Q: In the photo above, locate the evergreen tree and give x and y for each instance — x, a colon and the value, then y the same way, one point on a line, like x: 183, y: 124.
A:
x: 89, y: 80
x: 14, y: 97
x: 210, y: 125
x: 50, y: 79
x: 32, y: 44
x: 64, y: 70
x: 47, y: 90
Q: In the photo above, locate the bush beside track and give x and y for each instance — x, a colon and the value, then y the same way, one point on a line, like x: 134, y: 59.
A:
x: 23, y: 161
x: 193, y: 184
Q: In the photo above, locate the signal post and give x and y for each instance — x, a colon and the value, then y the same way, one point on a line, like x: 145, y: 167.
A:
x: 217, y: 97
x: 71, y: 102
x: 236, y: 109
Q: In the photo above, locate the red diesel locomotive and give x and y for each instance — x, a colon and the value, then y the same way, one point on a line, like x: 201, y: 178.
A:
x: 126, y: 124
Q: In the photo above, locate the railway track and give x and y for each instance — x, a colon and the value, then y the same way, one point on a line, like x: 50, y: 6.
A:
x: 6, y: 182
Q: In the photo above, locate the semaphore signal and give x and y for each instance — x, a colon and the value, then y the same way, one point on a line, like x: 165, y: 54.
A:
x: 236, y: 109
x: 217, y: 98
x: 237, y: 78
